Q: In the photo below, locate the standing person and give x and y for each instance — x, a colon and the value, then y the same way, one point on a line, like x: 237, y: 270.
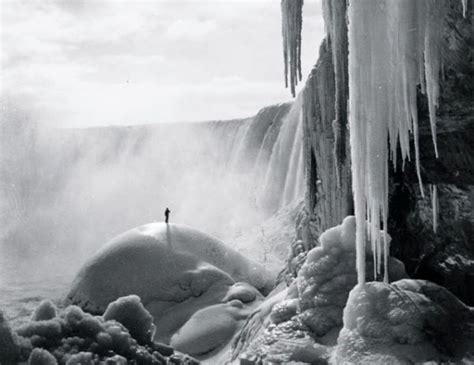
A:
x: 167, y: 215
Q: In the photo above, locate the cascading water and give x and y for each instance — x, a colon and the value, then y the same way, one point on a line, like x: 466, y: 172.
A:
x: 221, y: 176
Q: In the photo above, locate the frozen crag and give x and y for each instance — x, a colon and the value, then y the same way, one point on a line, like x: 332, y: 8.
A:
x: 406, y: 322
x: 302, y: 322
x: 328, y: 275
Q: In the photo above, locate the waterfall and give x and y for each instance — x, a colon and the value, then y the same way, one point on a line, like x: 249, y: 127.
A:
x: 221, y: 177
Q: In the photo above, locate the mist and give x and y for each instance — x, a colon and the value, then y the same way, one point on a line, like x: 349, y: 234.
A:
x: 66, y: 192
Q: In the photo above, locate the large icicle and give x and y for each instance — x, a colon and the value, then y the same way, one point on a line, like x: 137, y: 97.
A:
x: 434, y: 206
x: 292, y: 22
x: 464, y: 8
x: 393, y: 47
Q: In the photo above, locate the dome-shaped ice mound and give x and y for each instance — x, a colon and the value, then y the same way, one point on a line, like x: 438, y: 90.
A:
x: 161, y: 262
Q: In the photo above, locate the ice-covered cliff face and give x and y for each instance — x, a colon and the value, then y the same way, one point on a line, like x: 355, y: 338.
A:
x: 73, y: 189
x: 438, y: 256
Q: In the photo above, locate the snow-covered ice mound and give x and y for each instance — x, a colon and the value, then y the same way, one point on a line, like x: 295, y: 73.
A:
x: 406, y: 322
x: 162, y: 262
x: 198, y: 290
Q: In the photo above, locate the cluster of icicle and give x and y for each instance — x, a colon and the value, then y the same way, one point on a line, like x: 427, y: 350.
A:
x: 292, y: 22
x: 394, y: 47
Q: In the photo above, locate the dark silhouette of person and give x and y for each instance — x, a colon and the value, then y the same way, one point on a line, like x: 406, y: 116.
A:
x: 167, y: 215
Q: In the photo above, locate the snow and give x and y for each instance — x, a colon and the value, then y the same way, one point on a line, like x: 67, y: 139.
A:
x: 166, y: 262
x: 132, y: 314
x: 409, y: 321
x: 384, y: 72
x: 45, y: 310
x: 292, y: 22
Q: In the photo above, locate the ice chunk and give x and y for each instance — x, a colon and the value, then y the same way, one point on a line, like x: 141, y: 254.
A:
x: 132, y: 314
x: 41, y: 357
x: 45, y: 310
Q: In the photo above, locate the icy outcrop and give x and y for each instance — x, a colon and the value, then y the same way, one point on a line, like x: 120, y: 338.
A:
x: 328, y: 275
x: 408, y: 321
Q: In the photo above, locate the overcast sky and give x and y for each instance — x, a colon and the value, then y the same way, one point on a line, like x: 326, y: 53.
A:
x: 78, y: 63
